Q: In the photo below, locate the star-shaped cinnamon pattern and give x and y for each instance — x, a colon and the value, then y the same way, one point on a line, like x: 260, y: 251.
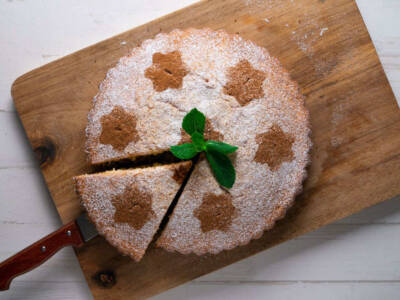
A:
x: 274, y: 147
x: 118, y: 129
x: 215, y: 212
x: 180, y: 173
x: 167, y: 71
x: 245, y: 82
x: 133, y: 207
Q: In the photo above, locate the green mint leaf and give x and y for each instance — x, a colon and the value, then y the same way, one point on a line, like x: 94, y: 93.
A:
x: 198, y: 141
x: 184, y: 151
x: 216, y: 152
x: 222, y: 168
x: 193, y: 122
x: 220, y: 147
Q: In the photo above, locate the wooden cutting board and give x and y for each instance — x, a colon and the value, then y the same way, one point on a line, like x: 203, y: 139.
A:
x: 355, y: 120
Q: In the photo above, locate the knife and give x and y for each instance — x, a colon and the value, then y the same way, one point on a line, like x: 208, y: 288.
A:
x: 75, y: 233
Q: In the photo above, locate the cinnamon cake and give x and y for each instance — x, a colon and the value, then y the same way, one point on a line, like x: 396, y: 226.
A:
x: 127, y: 206
x: 249, y: 101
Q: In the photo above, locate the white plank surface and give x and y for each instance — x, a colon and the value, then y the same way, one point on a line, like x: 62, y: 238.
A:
x: 355, y: 258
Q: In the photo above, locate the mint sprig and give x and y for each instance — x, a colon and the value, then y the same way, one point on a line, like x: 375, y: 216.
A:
x: 222, y: 168
x: 185, y: 151
x: 216, y: 152
x: 220, y: 147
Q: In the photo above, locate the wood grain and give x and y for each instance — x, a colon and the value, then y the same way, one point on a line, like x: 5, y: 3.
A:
x: 355, y: 120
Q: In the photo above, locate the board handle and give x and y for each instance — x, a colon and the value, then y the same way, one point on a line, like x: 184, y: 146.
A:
x: 38, y: 253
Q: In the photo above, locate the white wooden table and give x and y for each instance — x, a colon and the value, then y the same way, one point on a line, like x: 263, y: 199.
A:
x: 356, y: 258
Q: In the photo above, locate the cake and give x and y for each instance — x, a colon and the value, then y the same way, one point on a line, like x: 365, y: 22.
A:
x: 249, y: 101
x: 127, y: 206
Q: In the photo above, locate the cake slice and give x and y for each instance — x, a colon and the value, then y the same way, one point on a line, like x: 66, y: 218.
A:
x: 127, y: 206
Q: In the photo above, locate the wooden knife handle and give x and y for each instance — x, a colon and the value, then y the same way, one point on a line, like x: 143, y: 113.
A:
x: 38, y: 253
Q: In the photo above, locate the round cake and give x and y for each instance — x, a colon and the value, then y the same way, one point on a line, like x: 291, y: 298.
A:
x: 249, y: 101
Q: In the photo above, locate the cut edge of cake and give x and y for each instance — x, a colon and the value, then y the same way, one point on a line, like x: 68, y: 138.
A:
x: 103, y: 196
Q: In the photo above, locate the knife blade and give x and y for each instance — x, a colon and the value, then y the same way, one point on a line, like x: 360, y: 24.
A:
x: 75, y: 233
x: 86, y: 228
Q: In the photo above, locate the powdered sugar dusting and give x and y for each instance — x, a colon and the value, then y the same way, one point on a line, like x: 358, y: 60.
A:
x: 97, y: 191
x: 259, y: 4
x: 260, y: 195
x: 306, y: 32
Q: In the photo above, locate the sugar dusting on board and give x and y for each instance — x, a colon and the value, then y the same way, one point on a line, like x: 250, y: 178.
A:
x: 257, y: 5
x: 306, y: 32
x: 339, y: 112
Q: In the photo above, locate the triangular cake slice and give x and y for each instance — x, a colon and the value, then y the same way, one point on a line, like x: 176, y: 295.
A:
x: 127, y: 206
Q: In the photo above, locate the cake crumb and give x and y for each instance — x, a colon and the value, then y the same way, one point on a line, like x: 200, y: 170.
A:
x: 321, y: 33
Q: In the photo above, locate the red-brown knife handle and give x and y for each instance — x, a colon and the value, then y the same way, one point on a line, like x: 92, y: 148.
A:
x: 38, y: 253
